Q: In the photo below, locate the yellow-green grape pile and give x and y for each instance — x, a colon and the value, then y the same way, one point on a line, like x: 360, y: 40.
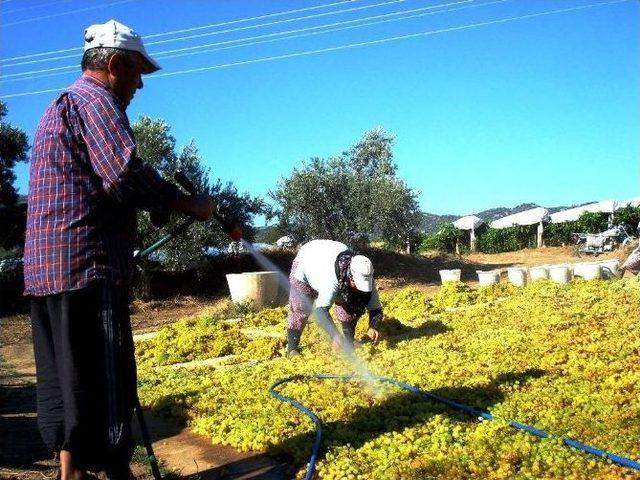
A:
x: 269, y: 317
x: 209, y: 336
x: 497, y: 291
x: 562, y: 358
x: 263, y: 348
x: 408, y: 306
x: 452, y: 294
x: 191, y: 339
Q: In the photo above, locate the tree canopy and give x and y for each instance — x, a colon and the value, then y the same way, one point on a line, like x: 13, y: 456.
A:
x: 157, y: 146
x: 350, y: 197
x: 13, y: 148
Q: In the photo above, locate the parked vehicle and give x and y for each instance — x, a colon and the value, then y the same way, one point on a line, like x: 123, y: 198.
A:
x: 597, y: 243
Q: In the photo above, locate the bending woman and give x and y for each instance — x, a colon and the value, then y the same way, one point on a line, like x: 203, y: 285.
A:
x: 325, y: 272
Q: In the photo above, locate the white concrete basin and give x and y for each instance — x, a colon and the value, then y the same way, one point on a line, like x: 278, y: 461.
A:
x: 560, y: 273
x: 587, y: 270
x: 539, y: 272
x: 256, y: 289
x: 517, y: 276
x: 450, y: 275
x: 488, y: 278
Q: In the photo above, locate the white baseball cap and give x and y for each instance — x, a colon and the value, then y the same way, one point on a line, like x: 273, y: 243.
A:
x: 361, y: 270
x: 113, y: 34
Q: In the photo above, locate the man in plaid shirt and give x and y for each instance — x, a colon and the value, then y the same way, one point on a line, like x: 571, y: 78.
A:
x: 85, y: 185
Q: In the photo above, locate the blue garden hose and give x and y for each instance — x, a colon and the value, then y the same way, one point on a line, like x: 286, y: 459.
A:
x: 317, y: 443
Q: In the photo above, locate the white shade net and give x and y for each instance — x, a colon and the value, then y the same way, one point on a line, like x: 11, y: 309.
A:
x: 528, y: 217
x: 470, y: 222
x: 572, y: 214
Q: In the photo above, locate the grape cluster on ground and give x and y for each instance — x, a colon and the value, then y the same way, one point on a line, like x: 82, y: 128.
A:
x: 562, y: 358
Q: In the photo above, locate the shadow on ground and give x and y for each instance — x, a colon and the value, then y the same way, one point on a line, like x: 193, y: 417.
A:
x: 405, y: 332
x: 258, y: 467
x: 21, y: 447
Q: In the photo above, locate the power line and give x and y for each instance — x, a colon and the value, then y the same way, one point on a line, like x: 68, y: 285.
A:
x: 329, y: 25
x: 33, y: 7
x: 37, y: 92
x: 260, y: 17
x: 229, y: 30
x: 277, y: 22
x: 355, y: 45
x: 53, y: 15
x: 33, y: 73
x: 316, y: 30
x: 241, y: 20
x: 386, y: 40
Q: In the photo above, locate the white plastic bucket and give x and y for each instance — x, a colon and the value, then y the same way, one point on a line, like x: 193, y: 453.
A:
x: 560, y: 273
x: 488, y: 278
x: 539, y: 273
x: 609, y: 268
x: 255, y: 289
x: 587, y: 270
x: 450, y: 275
x: 517, y: 276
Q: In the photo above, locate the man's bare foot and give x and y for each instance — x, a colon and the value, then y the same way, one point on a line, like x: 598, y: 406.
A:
x: 68, y: 471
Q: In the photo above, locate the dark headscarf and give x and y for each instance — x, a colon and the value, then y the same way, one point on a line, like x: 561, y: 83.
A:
x: 353, y: 300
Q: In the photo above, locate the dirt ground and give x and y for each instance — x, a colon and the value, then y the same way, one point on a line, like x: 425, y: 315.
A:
x: 540, y: 256
x: 23, y: 456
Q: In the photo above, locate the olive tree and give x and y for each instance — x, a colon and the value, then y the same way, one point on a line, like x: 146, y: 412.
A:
x: 13, y: 149
x: 157, y: 146
x: 350, y: 196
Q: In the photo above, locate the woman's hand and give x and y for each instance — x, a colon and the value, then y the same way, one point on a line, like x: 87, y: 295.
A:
x: 374, y: 335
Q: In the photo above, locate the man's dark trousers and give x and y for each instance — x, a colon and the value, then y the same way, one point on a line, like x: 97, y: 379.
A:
x: 86, y: 374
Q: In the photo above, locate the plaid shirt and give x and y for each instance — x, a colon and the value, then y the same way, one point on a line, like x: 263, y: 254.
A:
x: 84, y: 186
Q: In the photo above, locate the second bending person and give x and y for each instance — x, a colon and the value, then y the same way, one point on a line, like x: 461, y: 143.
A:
x: 325, y: 272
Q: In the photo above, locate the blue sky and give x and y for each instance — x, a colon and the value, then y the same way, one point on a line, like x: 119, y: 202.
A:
x: 488, y: 109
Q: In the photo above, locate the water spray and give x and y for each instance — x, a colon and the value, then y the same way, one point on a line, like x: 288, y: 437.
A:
x: 346, y: 349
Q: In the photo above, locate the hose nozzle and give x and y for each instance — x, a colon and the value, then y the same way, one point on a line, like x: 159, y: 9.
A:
x: 231, y: 229
x: 235, y: 233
